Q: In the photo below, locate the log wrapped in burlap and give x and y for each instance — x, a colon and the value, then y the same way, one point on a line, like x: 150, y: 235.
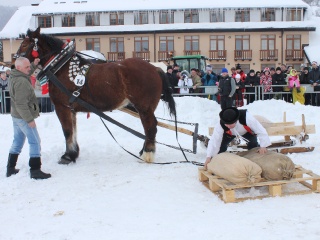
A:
x: 235, y: 169
x: 275, y: 166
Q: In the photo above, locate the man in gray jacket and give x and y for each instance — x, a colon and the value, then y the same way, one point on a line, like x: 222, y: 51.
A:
x: 24, y: 110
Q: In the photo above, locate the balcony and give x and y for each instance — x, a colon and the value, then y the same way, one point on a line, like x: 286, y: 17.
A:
x: 218, y: 55
x: 243, y: 55
x: 192, y: 52
x: 165, y: 56
x: 294, y: 54
x: 116, y: 56
x: 269, y: 55
x: 144, y: 55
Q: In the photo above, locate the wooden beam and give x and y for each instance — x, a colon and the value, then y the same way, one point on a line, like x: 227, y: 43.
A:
x: 284, y: 130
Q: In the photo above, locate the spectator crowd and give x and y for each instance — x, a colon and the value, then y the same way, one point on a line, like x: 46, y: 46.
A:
x: 232, y: 89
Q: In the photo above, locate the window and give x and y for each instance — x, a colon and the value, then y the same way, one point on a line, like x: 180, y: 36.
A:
x: 117, y: 44
x: 217, y: 42
x: 93, y: 44
x: 294, y: 15
x: 166, y: 44
x: 268, y: 42
x: 268, y: 15
x: 141, y: 18
x: 116, y: 18
x: 191, y: 16
x: 191, y: 43
x: 166, y: 17
x: 141, y: 44
x: 242, y: 15
x: 92, y: 19
x: 44, y: 22
x: 242, y: 42
x: 68, y: 21
x: 217, y: 16
x: 294, y: 42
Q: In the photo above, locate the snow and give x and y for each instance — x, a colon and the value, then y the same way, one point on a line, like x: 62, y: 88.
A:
x: 93, y: 54
x: 313, y: 49
x: 108, y: 194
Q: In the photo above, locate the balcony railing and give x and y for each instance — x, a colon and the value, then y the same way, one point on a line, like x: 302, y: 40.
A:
x: 165, y: 56
x: 294, y: 54
x: 217, y: 54
x: 269, y: 54
x: 144, y: 55
x: 192, y: 52
x: 116, y: 56
x: 242, y: 54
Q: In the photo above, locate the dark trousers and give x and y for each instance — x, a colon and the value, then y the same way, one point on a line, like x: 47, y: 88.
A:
x: 253, y: 141
x: 225, y: 102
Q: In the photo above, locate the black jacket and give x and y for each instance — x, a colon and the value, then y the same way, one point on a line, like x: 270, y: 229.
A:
x: 314, y: 77
x: 252, y: 81
x: 278, y: 79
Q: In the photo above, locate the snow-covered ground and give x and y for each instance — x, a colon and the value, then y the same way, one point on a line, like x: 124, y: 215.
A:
x: 108, y: 194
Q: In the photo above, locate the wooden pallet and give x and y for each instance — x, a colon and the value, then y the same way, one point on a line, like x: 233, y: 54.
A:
x: 226, y: 190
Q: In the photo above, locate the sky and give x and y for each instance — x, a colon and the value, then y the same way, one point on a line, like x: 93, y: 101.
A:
x: 108, y: 194
x: 17, y: 3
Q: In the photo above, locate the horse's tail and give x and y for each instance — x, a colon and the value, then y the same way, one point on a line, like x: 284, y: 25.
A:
x: 167, y: 92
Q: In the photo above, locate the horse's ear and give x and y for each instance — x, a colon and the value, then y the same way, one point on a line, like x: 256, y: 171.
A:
x: 34, y: 34
x: 37, y: 31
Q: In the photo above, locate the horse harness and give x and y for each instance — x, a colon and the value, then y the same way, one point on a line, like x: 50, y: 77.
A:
x: 58, y: 61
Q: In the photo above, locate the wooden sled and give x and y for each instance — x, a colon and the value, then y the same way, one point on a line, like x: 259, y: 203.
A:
x: 286, y: 129
x: 303, y: 182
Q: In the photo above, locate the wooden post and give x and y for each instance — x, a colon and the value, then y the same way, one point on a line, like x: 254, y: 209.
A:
x: 213, y: 186
x: 275, y: 190
x: 228, y: 196
x: 316, y: 185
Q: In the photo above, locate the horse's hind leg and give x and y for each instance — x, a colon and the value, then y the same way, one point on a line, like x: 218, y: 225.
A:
x: 149, y: 123
x: 68, y: 122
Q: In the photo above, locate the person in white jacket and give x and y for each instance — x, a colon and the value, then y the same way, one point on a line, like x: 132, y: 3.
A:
x: 239, y: 124
x: 185, y: 81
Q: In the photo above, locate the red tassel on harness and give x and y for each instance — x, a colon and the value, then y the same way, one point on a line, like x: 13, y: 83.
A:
x: 88, y: 115
x: 35, y: 54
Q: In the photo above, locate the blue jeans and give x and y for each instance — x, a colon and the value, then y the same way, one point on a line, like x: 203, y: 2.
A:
x: 21, y: 130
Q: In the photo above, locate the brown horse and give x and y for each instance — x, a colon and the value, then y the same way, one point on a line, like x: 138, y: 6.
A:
x: 108, y: 86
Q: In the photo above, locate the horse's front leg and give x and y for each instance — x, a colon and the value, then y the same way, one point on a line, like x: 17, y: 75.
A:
x: 68, y: 120
x: 149, y: 123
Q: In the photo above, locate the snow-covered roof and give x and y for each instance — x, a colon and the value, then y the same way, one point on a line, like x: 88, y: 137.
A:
x: 313, y: 50
x: 54, y: 6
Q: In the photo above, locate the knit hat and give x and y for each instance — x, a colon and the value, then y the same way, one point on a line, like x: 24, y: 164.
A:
x: 229, y: 115
x: 278, y: 69
x: 315, y: 62
x: 208, y: 68
x: 266, y: 69
x: 251, y: 71
x: 237, y: 76
x: 305, y: 68
x: 169, y: 67
x: 224, y: 70
x: 238, y: 66
x: 272, y: 69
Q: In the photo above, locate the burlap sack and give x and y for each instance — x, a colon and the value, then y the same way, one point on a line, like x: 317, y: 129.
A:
x: 275, y: 166
x: 235, y: 169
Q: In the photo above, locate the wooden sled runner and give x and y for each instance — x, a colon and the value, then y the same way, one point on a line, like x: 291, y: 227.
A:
x: 305, y: 181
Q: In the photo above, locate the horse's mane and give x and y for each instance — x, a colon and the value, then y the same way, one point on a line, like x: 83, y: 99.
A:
x: 54, y: 43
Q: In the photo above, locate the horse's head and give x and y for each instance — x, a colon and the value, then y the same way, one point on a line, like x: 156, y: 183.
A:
x: 36, y: 45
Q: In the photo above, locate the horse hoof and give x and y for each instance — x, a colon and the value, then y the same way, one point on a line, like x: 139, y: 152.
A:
x: 65, y: 160
x: 148, y: 156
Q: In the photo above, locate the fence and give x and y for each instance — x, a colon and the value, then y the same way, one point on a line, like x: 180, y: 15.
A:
x: 44, y: 101
x: 311, y: 96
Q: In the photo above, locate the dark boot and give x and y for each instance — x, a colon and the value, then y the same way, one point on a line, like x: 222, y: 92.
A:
x: 35, y: 172
x: 12, y: 161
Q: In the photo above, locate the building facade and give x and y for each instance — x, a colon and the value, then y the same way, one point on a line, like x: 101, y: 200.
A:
x: 256, y: 37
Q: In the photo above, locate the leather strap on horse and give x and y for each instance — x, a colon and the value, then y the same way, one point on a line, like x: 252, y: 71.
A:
x: 91, y: 108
